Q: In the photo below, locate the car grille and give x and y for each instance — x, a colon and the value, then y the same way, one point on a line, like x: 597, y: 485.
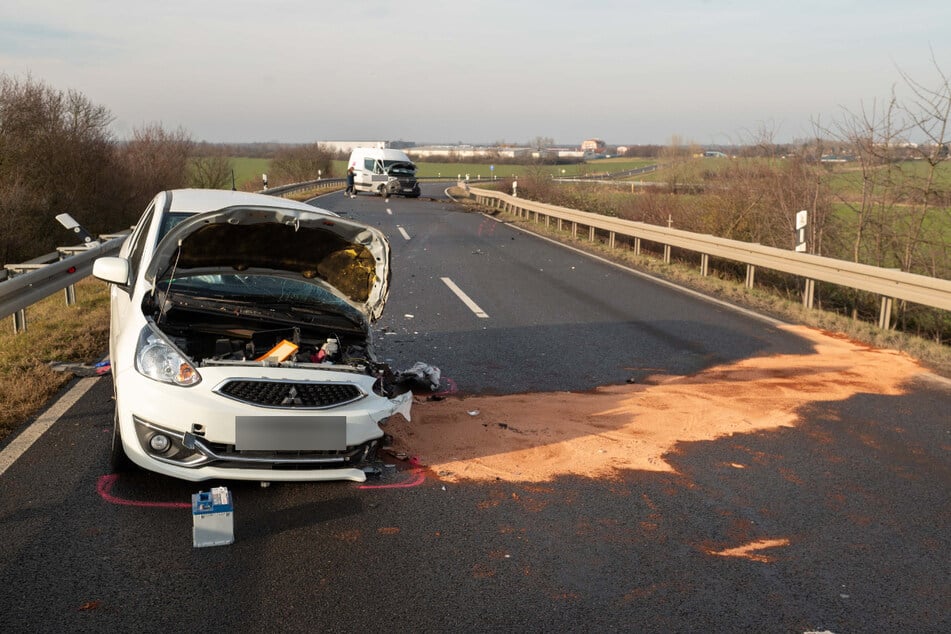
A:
x: 290, y: 394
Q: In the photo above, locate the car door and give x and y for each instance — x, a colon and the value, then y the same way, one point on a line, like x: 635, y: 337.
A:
x: 122, y: 309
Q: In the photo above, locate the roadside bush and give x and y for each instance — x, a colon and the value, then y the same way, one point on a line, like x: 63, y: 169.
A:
x: 301, y: 163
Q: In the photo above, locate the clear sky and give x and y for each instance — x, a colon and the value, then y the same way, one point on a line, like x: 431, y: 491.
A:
x: 477, y: 71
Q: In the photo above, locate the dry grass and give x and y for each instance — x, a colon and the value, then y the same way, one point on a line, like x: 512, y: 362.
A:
x: 27, y: 382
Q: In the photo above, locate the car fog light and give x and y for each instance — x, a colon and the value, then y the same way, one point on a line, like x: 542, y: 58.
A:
x: 159, y: 443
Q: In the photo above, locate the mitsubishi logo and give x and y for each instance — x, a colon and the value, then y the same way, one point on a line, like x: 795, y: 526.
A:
x: 292, y: 398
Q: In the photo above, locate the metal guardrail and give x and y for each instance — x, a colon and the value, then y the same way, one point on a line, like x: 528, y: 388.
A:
x: 889, y: 284
x: 39, y: 278
x: 327, y: 183
x: 322, y: 183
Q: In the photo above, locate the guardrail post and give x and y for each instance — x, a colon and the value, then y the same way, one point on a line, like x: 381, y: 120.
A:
x: 590, y: 234
x: 750, y: 274
x: 809, y: 293
x: 885, y: 313
x: 19, y: 321
x: 574, y: 229
x: 612, y: 237
x: 70, y: 295
x: 637, y: 246
x: 704, y: 265
x: 666, y: 254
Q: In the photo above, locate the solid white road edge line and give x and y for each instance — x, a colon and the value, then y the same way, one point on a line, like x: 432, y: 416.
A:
x: 648, y: 276
x: 31, y: 434
x: 465, y: 298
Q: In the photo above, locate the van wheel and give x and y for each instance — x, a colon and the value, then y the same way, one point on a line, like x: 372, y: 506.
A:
x: 118, y: 460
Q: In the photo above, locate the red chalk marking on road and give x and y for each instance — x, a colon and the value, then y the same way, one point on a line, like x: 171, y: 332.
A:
x: 104, y: 489
x: 418, y: 478
x: 452, y: 389
x: 106, y: 482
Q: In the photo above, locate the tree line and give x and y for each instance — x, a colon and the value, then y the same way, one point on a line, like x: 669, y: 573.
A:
x: 58, y: 154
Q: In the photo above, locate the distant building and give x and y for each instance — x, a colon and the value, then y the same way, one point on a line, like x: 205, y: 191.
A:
x: 346, y: 146
x: 593, y: 146
x: 467, y: 152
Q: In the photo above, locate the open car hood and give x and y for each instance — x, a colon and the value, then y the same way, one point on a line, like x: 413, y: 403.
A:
x: 349, y: 259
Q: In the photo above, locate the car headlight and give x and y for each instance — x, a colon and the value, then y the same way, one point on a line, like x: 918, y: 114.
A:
x: 159, y: 360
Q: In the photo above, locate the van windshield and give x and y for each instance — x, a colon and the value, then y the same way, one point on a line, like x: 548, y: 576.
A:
x: 399, y: 167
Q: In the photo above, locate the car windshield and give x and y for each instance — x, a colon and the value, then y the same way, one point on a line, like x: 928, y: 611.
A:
x: 263, y: 291
x: 169, y: 222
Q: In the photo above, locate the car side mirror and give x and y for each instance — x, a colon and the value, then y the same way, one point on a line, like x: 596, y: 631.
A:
x: 113, y: 270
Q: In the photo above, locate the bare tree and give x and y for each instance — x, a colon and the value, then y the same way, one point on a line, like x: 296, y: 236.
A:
x: 155, y: 159
x: 297, y: 164
x: 541, y: 142
x: 817, y: 191
x: 213, y: 171
x: 929, y: 113
x: 675, y: 158
x: 56, y: 155
x: 871, y: 134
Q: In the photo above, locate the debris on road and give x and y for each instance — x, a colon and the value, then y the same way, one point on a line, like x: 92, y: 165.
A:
x: 424, y: 375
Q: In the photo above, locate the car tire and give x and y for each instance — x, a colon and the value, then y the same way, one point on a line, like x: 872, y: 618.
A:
x: 119, y: 462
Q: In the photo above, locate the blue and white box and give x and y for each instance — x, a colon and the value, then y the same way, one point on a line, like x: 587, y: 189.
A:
x: 212, y: 518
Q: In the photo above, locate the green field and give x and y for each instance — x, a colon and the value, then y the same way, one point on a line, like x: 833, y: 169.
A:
x: 848, y: 178
x: 249, y: 169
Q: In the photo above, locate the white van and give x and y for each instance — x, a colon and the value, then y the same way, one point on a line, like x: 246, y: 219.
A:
x: 383, y: 171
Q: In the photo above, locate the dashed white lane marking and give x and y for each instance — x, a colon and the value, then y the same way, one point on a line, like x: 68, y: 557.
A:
x: 389, y: 211
x: 31, y: 434
x: 465, y: 298
x: 402, y: 232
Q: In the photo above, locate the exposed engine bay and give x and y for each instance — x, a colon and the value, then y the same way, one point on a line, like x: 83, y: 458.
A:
x: 224, y: 333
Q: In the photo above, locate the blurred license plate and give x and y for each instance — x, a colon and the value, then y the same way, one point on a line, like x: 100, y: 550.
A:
x: 283, y: 433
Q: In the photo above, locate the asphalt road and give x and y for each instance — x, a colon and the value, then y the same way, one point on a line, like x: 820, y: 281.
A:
x: 860, y: 489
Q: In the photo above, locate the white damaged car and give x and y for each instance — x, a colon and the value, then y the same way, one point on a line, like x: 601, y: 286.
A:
x: 240, y: 340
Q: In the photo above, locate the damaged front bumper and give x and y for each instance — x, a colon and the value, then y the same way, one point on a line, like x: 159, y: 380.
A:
x: 224, y: 439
